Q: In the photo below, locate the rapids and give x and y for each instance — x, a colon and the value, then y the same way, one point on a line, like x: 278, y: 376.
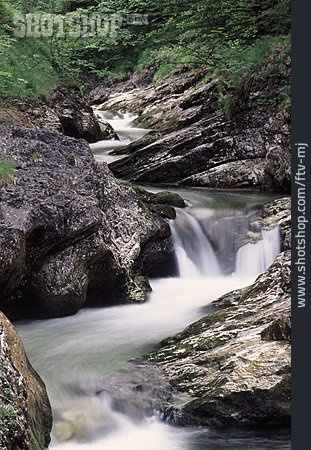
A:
x: 85, y: 359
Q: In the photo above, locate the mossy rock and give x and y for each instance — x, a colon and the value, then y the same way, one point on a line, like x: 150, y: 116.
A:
x: 167, y: 212
x: 161, y: 198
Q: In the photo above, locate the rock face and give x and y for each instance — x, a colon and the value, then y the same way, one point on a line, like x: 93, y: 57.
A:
x: 236, y: 362
x: 25, y: 413
x: 272, y: 214
x: 194, y: 143
x: 70, y: 232
x: 75, y: 115
x: 66, y: 112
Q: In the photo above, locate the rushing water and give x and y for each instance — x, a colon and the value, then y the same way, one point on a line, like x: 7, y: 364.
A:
x: 125, y: 129
x: 84, y: 359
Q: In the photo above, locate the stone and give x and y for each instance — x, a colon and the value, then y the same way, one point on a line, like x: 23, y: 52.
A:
x: 71, y: 234
x: 235, y: 362
x: 194, y: 143
x: 25, y: 412
x: 65, y: 111
x: 75, y: 115
x: 165, y: 198
x: 278, y: 330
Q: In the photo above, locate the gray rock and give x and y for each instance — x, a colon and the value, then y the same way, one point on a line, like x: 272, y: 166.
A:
x: 165, y: 198
x: 194, y: 143
x: 75, y: 115
x: 278, y: 330
x: 249, y: 173
x: 278, y: 166
x: 25, y: 412
x: 233, y: 375
x: 70, y: 232
x: 278, y: 212
x: 65, y: 111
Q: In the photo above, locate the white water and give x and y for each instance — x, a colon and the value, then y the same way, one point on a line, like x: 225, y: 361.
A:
x: 194, y: 253
x: 76, y: 354
x: 124, y: 127
x: 253, y: 259
x: 84, y: 358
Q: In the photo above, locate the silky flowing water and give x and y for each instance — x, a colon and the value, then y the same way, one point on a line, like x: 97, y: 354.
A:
x: 85, y: 359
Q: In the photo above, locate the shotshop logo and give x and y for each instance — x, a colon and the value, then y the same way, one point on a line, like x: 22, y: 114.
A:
x: 73, y: 25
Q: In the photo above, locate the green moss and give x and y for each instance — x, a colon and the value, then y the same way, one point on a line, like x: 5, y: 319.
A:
x: 285, y: 97
x: 7, y: 171
x: 164, y: 71
x: 9, y: 416
x: 261, y: 63
x: 165, y: 198
x: 39, y: 446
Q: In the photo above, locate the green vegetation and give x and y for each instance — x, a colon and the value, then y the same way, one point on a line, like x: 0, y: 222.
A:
x: 8, y: 416
x: 6, y: 172
x: 25, y: 64
x: 261, y: 62
x: 233, y: 38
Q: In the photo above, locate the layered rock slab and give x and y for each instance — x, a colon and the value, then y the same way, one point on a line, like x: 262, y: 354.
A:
x: 195, y: 143
x: 235, y: 363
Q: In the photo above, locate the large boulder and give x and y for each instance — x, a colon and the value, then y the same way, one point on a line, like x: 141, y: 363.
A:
x: 25, y: 412
x: 70, y: 232
x: 235, y: 363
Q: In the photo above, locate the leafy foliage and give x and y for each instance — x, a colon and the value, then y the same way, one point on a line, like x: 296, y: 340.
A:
x: 228, y: 36
x: 25, y: 64
x: 238, y: 67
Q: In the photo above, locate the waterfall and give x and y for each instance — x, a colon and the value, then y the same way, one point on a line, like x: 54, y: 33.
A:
x: 125, y: 129
x: 196, y: 257
x: 194, y: 254
x: 255, y: 258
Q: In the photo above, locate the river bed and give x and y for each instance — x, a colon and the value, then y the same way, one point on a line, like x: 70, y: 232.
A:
x: 85, y: 359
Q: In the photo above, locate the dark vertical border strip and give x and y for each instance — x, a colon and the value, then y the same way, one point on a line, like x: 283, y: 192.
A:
x: 301, y: 222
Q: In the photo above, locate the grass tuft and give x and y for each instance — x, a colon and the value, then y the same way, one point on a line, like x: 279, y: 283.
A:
x: 7, y: 172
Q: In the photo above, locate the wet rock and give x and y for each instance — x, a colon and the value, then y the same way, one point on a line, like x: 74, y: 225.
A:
x: 71, y: 234
x: 194, y: 143
x: 278, y: 212
x: 135, y: 391
x: 278, y: 166
x: 158, y: 259
x: 165, y: 198
x: 100, y: 93
x: 25, y: 412
x: 167, y: 212
x: 237, y: 174
x: 107, y: 132
x: 158, y: 255
x: 236, y: 377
